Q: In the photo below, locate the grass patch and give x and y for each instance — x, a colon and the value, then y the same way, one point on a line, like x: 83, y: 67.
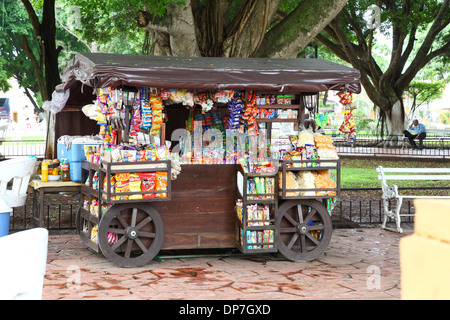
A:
x: 361, y: 173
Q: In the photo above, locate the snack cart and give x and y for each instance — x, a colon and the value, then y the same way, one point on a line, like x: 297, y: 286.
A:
x: 140, y: 198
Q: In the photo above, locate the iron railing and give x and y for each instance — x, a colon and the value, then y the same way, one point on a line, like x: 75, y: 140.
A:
x: 433, y: 146
x: 347, y: 213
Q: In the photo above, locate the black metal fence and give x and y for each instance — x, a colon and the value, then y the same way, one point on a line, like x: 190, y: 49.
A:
x: 435, y: 145
x: 60, y: 217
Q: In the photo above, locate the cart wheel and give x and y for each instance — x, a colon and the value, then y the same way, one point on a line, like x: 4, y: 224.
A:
x: 303, y: 229
x: 130, y: 235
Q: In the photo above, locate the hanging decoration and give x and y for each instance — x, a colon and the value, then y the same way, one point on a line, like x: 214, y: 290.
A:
x: 250, y: 114
x: 348, y: 126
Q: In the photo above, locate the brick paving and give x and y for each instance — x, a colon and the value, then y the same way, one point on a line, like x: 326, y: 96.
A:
x: 358, y: 264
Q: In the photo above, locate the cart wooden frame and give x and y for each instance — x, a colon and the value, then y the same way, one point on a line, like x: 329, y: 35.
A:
x: 199, y: 210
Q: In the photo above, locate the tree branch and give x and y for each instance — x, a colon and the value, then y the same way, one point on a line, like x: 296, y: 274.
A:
x: 33, y: 17
x: 37, y: 67
x: 423, y: 56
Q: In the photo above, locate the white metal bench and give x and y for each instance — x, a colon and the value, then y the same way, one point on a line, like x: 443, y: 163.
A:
x: 391, y: 191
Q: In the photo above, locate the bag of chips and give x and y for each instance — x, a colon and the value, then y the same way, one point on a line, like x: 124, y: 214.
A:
x: 161, y: 183
x: 122, y: 185
x: 135, y: 186
x: 148, y: 183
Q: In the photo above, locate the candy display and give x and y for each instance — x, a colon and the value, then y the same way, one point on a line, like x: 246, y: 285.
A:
x: 222, y: 127
x: 263, y: 186
x: 258, y: 239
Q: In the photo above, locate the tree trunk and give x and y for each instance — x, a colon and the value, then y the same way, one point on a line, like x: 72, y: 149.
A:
x: 293, y: 33
x: 207, y: 28
x: 395, y: 125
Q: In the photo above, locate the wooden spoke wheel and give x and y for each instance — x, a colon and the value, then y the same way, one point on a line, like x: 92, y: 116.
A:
x: 303, y: 229
x: 130, y: 235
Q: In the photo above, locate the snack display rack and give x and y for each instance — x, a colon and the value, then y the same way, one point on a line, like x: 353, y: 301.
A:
x: 255, y: 233
x: 210, y: 204
x: 102, y: 217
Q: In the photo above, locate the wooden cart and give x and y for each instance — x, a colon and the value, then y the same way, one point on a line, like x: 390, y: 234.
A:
x: 199, y: 211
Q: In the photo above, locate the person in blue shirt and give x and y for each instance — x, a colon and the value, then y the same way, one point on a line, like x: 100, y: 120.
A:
x: 420, y: 133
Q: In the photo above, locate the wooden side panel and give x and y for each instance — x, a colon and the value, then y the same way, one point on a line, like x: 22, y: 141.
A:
x: 201, y: 212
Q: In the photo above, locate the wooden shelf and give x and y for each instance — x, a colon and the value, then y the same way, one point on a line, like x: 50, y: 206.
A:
x: 276, y: 120
x: 278, y: 106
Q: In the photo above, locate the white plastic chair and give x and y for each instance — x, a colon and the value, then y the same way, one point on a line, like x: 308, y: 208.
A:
x: 19, y: 171
x: 23, y: 263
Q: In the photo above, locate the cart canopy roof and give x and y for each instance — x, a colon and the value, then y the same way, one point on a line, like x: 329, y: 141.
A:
x: 207, y: 73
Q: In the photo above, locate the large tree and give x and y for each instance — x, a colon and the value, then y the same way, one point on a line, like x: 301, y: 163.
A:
x: 351, y: 36
x: 229, y: 28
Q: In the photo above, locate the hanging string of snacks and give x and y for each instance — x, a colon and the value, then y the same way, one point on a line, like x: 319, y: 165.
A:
x: 235, y: 106
x: 348, y: 126
x: 157, y: 117
x: 250, y: 114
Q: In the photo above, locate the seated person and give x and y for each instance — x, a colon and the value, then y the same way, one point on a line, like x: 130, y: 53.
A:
x: 420, y: 133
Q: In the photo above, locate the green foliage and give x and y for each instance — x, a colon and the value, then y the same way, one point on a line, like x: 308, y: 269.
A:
x: 361, y: 119
x: 361, y: 173
x: 444, y: 117
x: 13, y: 61
x: 422, y: 91
x: 112, y: 24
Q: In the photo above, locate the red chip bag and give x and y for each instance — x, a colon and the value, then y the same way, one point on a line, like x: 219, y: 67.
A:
x: 148, y: 183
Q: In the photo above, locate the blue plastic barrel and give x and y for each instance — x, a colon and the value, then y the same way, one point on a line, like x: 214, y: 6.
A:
x: 4, y: 223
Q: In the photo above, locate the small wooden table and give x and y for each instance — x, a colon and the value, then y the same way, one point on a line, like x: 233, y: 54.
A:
x: 41, y: 188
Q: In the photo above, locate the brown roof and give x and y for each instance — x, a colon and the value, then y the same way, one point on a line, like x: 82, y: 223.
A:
x: 207, y: 73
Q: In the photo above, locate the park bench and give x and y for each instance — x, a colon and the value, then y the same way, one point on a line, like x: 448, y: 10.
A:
x: 392, y: 192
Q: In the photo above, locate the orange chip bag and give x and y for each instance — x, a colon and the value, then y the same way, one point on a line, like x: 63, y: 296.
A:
x: 161, y: 183
x: 122, y: 185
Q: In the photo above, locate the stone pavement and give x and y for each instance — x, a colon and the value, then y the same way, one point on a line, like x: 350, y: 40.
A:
x: 358, y: 264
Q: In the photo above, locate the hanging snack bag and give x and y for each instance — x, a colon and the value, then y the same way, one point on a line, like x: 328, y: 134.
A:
x: 148, y: 183
x: 135, y: 186
x: 161, y: 183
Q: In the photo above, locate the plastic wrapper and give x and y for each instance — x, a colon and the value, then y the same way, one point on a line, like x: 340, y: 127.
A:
x: 148, y: 183
x: 323, y: 180
x: 327, y: 154
x: 305, y: 137
x: 291, y: 183
x: 323, y: 142
x: 122, y: 185
x: 306, y: 180
x: 135, y: 186
x: 161, y: 183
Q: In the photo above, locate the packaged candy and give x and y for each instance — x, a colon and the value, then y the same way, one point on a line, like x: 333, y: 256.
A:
x: 128, y: 155
x: 238, y: 209
x: 148, y: 183
x: 112, y: 182
x: 94, y: 233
